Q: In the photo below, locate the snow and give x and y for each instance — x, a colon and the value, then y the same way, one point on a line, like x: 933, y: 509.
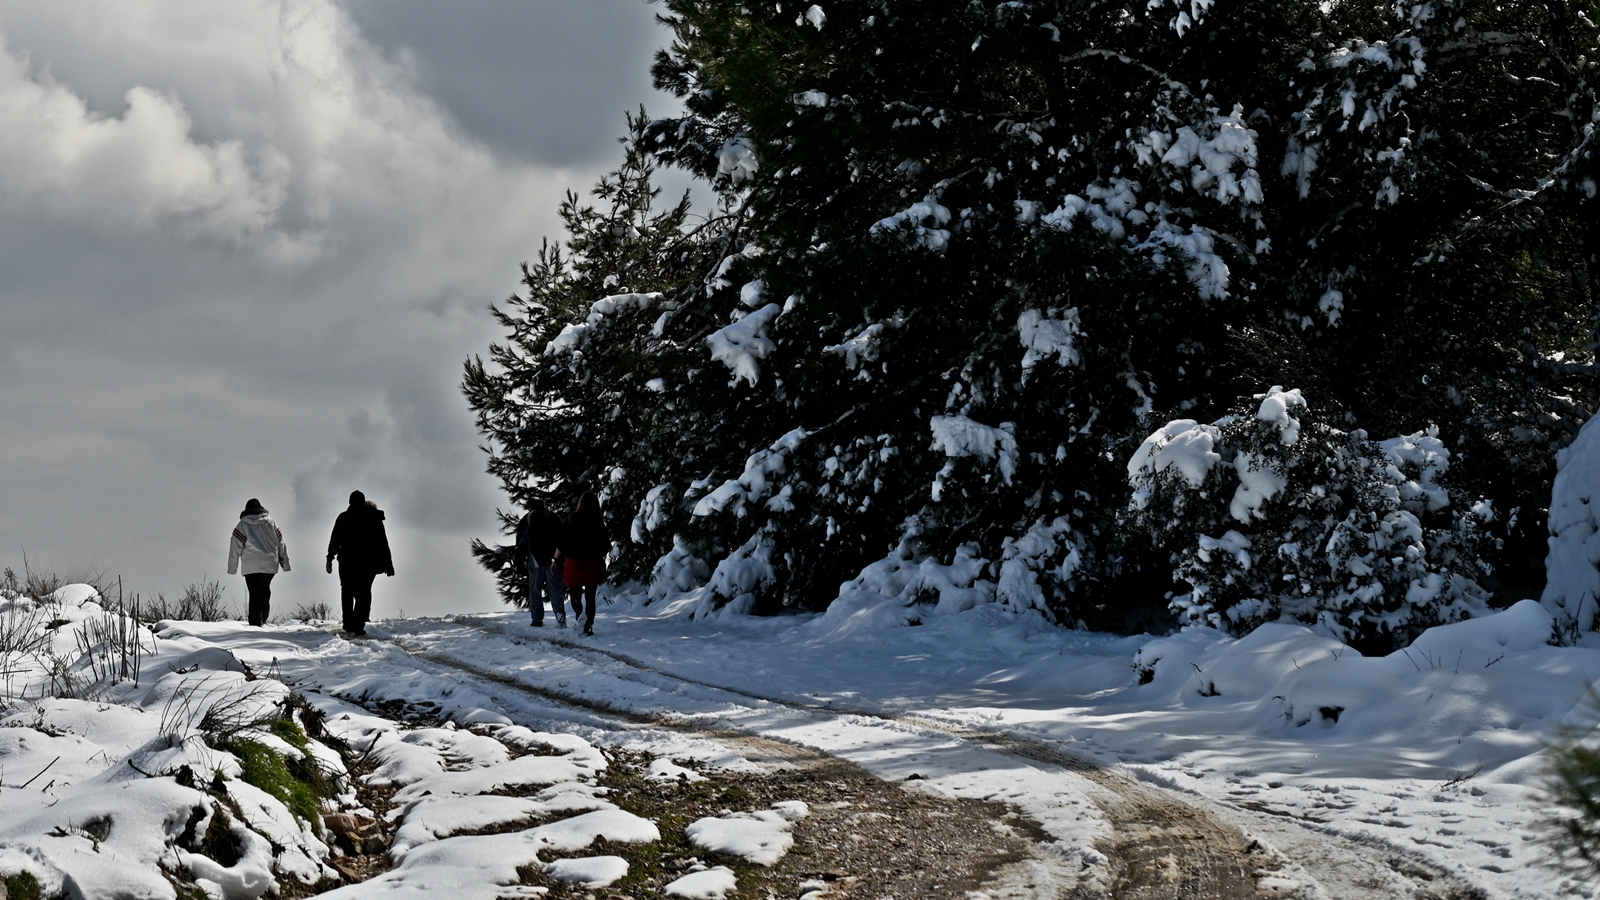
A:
x: 1424, y: 454
x: 1046, y: 337
x: 591, y: 871
x: 1573, y: 588
x: 431, y: 818
x: 1213, y: 159
x: 575, y: 337
x: 74, y: 595
x: 861, y: 348
x: 1278, y: 407
x: 1210, y: 159
x: 958, y: 437
x: 750, y: 294
x: 667, y: 770
x: 86, y: 815
x: 1025, y: 558
x: 1331, y: 303
x: 1182, y: 444
x: 924, y: 220
x: 1433, y: 752
x: 711, y: 884
x: 737, y: 160
x: 756, y: 480
x: 762, y: 837
x: 741, y: 345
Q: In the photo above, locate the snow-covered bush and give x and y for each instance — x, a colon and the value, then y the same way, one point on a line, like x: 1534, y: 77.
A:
x: 1572, y: 789
x: 1274, y: 515
x: 1572, y: 593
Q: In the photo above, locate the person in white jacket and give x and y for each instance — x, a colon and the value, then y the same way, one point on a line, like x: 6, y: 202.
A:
x: 257, y: 545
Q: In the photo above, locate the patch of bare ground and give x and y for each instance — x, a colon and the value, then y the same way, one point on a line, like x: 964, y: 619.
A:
x: 1161, y: 848
x: 355, y: 859
x: 363, y: 853
x: 864, y: 838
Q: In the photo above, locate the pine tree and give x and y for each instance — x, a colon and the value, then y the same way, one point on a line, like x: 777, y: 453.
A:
x: 568, y: 402
x: 967, y: 255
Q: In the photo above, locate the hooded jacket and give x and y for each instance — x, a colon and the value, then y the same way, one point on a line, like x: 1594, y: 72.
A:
x: 360, y: 542
x: 538, y: 533
x: 257, y: 546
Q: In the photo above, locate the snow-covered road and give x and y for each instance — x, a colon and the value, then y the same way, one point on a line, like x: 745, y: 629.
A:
x: 1208, y: 848
x: 1278, y: 765
x: 1113, y: 833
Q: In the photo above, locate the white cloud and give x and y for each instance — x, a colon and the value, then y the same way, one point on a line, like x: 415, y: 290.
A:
x: 141, y: 169
x: 227, y: 232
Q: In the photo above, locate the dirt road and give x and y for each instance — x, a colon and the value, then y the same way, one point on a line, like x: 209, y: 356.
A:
x: 883, y: 829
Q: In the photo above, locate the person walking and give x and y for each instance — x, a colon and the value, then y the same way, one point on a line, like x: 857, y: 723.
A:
x: 536, y: 540
x: 257, y: 546
x: 361, y: 545
x: 581, y: 550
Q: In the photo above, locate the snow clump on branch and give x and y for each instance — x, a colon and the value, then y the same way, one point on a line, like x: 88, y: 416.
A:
x: 740, y: 345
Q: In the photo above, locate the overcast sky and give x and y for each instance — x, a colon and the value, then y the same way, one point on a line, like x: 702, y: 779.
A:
x: 244, y: 249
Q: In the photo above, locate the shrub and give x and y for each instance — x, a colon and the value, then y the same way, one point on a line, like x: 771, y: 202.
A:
x: 1572, y: 789
x: 1270, y: 514
x: 21, y: 886
x: 296, y: 783
x: 312, y: 612
x: 201, y: 602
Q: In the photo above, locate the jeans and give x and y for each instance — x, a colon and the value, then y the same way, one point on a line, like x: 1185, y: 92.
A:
x: 259, y: 584
x: 544, y: 583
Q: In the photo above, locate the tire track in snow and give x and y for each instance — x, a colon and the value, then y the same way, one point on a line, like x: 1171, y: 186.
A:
x: 1027, y: 869
x: 863, y: 837
x: 1158, y: 843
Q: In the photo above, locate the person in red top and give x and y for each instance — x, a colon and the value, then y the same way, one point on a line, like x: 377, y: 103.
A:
x: 581, y: 551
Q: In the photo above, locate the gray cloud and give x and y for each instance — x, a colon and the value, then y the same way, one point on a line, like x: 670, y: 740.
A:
x: 244, y: 249
x: 523, y: 75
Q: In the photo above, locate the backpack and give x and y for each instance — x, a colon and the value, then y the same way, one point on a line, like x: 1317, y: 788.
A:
x: 523, y: 529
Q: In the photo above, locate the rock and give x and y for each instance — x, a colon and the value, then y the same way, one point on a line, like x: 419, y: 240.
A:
x: 356, y: 835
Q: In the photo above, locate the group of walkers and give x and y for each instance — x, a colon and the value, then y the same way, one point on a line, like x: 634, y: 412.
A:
x: 564, y: 558
x: 359, y: 543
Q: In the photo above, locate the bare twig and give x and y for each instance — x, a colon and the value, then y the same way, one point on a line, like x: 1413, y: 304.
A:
x: 41, y: 772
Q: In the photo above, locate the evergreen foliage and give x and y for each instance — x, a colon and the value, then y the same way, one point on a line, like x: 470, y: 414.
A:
x: 1572, y: 787
x: 1277, y: 515
x: 966, y: 255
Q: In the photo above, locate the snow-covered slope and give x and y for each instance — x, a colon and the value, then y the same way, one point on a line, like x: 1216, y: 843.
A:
x: 1433, y: 753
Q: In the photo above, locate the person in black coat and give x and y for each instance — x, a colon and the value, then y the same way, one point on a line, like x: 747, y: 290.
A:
x: 536, y: 539
x: 361, y: 545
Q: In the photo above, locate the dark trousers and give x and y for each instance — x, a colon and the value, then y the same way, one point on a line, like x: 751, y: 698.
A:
x: 544, y: 583
x: 355, y: 598
x: 578, y: 595
x: 259, y: 584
